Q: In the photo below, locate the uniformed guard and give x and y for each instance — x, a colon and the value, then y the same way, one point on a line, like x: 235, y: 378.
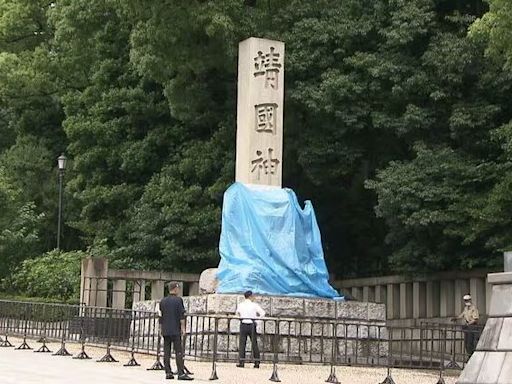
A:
x: 470, y: 328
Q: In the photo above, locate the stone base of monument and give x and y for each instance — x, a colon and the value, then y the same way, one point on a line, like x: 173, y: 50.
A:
x: 492, y: 360
x: 297, y: 329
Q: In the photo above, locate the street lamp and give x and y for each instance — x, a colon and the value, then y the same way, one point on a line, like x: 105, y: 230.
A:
x: 61, y: 163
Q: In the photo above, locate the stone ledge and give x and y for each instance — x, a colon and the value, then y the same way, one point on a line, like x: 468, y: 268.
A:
x: 280, y: 306
x: 500, y: 278
x: 289, y: 307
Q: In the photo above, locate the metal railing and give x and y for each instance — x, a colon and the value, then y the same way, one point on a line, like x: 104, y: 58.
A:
x: 215, y: 338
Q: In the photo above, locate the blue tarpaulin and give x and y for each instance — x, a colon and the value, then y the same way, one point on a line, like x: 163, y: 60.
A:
x: 270, y: 245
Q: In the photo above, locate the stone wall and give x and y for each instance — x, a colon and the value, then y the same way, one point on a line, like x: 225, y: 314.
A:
x: 296, y: 329
x: 432, y: 298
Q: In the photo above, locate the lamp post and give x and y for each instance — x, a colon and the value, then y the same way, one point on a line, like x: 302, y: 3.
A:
x: 61, y: 162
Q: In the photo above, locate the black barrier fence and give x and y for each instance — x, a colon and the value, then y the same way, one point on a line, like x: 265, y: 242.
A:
x: 216, y: 338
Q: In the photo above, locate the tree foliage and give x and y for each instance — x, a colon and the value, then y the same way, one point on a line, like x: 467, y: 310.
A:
x: 397, y: 125
x: 37, y: 277
x: 18, y: 225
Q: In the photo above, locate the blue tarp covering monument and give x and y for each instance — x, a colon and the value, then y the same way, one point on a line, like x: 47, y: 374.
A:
x: 270, y: 245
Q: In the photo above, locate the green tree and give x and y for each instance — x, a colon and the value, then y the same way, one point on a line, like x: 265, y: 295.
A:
x: 365, y: 82
x: 19, y: 237
x: 495, y: 28
x: 142, y: 96
x: 37, y: 277
x: 432, y: 206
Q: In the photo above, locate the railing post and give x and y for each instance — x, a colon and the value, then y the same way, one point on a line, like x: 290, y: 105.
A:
x: 157, y: 365
x: 443, y: 350
x: 332, y: 376
x: 108, y: 358
x: 44, y: 348
x: 24, y: 345
x: 214, y: 375
x: 389, y: 378
x: 6, y: 342
x: 275, y: 377
x: 62, y: 351
x: 132, y: 362
x: 82, y: 355
x: 452, y: 364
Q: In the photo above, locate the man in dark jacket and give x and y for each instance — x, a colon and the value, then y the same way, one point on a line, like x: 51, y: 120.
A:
x: 172, y: 321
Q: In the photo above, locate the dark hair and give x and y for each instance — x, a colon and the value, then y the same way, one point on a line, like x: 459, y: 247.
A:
x: 247, y: 294
x: 172, y: 285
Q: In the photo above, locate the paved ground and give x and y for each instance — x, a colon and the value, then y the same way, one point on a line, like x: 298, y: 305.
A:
x: 27, y: 367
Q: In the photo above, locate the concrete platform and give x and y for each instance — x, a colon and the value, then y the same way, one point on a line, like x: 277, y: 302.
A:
x: 27, y: 367
x: 304, y: 326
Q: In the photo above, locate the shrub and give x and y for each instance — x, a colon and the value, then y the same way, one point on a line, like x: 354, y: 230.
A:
x: 54, y: 275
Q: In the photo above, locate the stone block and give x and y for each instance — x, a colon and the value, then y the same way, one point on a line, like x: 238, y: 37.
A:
x: 264, y: 301
x: 196, y: 304
x: 376, y: 312
x: 313, y: 329
x: 490, y: 335
x: 490, y: 368
x: 506, y: 371
x: 501, y: 304
x: 354, y: 331
x: 348, y: 350
x: 203, y: 324
x: 229, y: 343
x: 229, y: 325
x: 287, y: 307
x: 208, y: 281
x: 119, y: 294
x: 320, y: 347
x: 351, y: 310
x: 202, y: 345
x: 320, y: 308
x: 286, y: 327
x: 221, y: 304
x: 378, y: 350
x: 146, y: 306
x: 301, y: 336
x: 157, y: 289
x: 377, y: 332
x: 505, y: 340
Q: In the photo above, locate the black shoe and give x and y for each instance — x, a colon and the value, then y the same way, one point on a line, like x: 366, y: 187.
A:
x: 187, y: 371
x: 169, y: 376
x: 185, y: 377
x: 240, y: 365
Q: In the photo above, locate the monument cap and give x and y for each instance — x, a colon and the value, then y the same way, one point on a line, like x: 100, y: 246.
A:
x: 466, y: 297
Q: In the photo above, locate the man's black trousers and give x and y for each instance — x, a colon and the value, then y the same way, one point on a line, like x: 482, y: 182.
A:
x: 248, y: 330
x: 178, y: 350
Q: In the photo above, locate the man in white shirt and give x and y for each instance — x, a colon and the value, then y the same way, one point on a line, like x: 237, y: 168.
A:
x: 248, y: 311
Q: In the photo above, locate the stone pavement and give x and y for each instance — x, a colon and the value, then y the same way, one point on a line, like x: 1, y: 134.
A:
x: 27, y: 367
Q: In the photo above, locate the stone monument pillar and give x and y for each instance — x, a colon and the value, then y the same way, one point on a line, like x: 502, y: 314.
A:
x: 492, y: 360
x: 269, y: 243
x: 259, y: 139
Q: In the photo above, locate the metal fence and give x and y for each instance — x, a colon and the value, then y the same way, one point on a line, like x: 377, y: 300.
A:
x: 216, y: 338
